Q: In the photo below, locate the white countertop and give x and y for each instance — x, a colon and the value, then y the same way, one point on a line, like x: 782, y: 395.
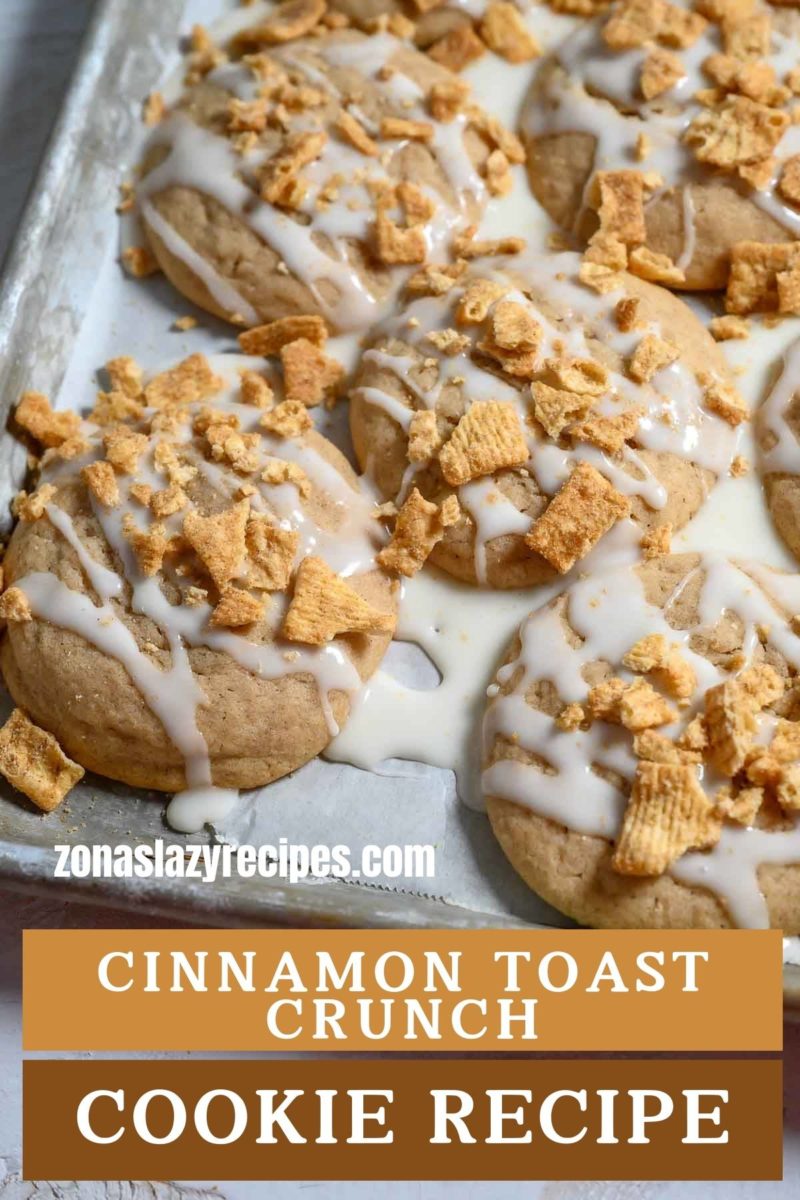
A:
x: 38, y: 41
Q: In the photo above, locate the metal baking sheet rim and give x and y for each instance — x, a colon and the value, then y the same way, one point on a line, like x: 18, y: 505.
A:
x: 119, y: 62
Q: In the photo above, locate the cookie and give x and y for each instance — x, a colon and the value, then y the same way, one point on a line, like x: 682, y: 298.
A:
x: 191, y: 594
x: 310, y: 176
x: 698, y: 105
x: 642, y: 747
x: 778, y: 432
x: 508, y: 376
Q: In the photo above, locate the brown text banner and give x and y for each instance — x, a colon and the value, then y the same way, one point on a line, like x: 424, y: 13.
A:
x: 403, y: 1119
x: 380, y: 990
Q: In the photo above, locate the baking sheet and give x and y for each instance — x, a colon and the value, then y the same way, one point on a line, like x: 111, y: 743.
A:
x: 65, y: 308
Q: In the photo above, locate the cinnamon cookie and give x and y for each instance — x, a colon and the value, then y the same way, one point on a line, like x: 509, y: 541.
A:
x: 310, y: 174
x: 552, y: 411
x: 191, y: 595
x: 695, y: 108
x: 642, y: 747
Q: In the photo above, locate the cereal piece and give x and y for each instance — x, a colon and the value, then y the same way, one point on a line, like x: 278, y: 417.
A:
x: 642, y: 707
x: 785, y: 744
x: 447, y: 98
x: 126, y: 376
x: 656, y: 541
x: 264, y: 341
x: 723, y: 399
x: 32, y: 508
x: 620, y: 205
x: 278, y: 471
x: 650, y: 356
x: 271, y: 553
x: 497, y: 172
x: 420, y: 525
x: 124, y: 447
x: 738, y: 131
x: 625, y: 312
x: 680, y: 28
x: 643, y: 147
x: 609, y: 434
x: 355, y: 133
x: 787, y: 793
x: 668, y: 813
x: 186, y: 383
x: 149, y: 545
x: 435, y: 280
x: 256, y: 390
x: 788, y: 291
x: 742, y: 808
x: 748, y: 37
x: 633, y: 23
x: 458, y: 48
x: 248, y: 116
x: 195, y: 596
x: 397, y: 245
x: 309, y: 376
x: 660, y: 72
x: 448, y: 341
x: 729, y: 328
x: 513, y: 327
x: 570, y: 718
x: 33, y: 762
x: 280, y: 182
x: 753, y: 279
x: 488, y: 438
x: 676, y: 676
x: 583, y: 376
x: 291, y: 19
x: 236, y: 608
x: 554, y: 408
x: 219, y: 540
x: 36, y: 417
x: 14, y: 605
x: 582, y: 511
x: 467, y: 246
x: 168, y: 501
x: 324, y: 606
x: 739, y: 466
x: 402, y: 127
x: 694, y: 736
x: 789, y: 181
x: 101, y: 481
x: 654, y: 267
x: 647, y: 654
x: 140, y: 262
x: 731, y: 711
x: 604, y: 700
x: 153, y: 109
x: 424, y: 439
x: 115, y: 406
x: 478, y: 297
x: 504, y: 31
x: 167, y: 461
x: 655, y: 747
x: 289, y: 419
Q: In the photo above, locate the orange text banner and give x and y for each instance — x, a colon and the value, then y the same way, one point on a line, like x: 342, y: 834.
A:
x: 403, y: 1119
x: 380, y: 990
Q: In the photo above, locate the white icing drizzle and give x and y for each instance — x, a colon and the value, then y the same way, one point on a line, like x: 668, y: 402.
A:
x: 674, y: 419
x: 609, y: 612
x: 315, y: 246
x: 173, y: 694
x: 598, y: 93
